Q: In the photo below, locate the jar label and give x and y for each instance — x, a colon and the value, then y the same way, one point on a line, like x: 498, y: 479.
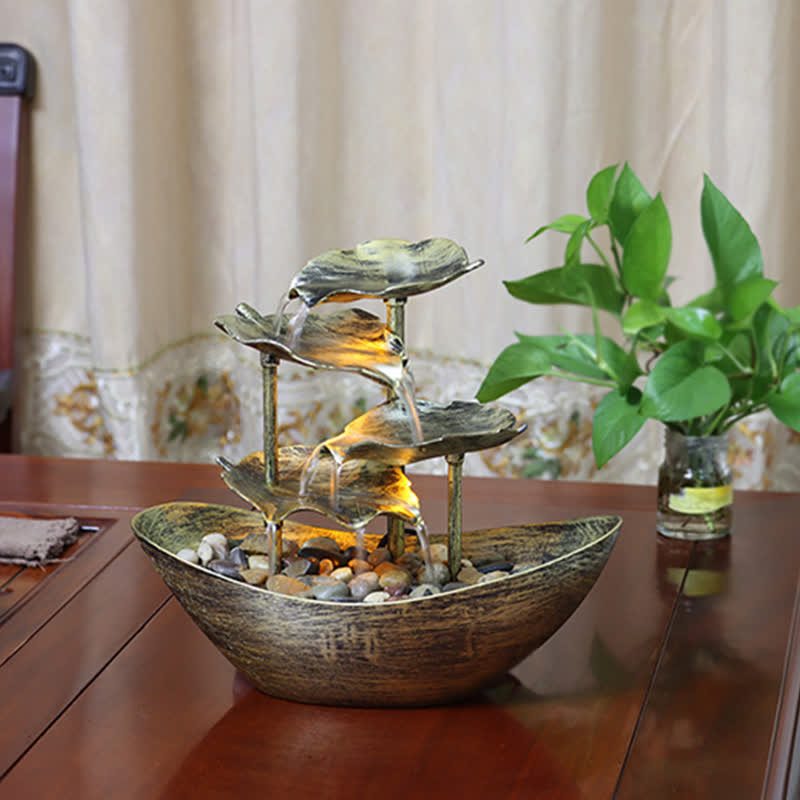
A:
x: 701, y: 499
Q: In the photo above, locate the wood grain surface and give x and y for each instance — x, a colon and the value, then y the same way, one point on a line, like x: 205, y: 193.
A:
x: 666, y: 682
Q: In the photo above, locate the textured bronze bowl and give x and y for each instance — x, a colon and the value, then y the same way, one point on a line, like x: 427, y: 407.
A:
x: 417, y: 652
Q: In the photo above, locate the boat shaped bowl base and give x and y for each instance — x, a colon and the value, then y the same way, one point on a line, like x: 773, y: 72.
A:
x: 410, y: 652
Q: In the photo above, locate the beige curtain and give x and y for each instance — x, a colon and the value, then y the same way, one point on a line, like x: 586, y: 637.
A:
x: 191, y: 154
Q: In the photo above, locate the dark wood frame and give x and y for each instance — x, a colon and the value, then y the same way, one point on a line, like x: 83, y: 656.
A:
x: 17, y: 78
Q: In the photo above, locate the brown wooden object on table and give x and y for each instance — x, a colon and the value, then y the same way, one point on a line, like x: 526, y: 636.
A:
x: 16, y: 91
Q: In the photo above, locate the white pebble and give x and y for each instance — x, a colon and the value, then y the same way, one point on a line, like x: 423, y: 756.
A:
x: 258, y: 562
x: 187, y: 554
x: 492, y: 576
x: 205, y: 552
x: 376, y: 597
x: 215, y: 538
x: 218, y: 542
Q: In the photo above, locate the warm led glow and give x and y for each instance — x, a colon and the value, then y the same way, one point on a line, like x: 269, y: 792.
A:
x: 365, y: 489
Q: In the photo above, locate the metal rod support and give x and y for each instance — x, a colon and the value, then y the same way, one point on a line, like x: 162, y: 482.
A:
x: 396, y: 317
x: 269, y: 376
x: 396, y: 322
x: 397, y: 537
x: 455, y: 469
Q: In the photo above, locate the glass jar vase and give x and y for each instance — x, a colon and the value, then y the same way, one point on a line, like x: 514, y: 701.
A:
x: 695, y: 489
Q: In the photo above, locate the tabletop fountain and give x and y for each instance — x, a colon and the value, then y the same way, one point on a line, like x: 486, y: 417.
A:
x: 437, y: 637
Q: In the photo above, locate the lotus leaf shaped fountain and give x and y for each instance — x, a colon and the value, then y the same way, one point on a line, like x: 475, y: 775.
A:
x: 413, y: 651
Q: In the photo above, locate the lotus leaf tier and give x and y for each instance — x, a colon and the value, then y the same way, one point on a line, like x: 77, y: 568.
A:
x: 386, y: 434
x: 382, y: 268
x: 352, y: 340
x: 353, y: 494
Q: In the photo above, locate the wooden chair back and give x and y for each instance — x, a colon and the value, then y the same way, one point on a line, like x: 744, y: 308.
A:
x: 17, y: 76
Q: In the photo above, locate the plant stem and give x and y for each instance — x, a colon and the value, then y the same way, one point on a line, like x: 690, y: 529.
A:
x: 598, y: 250
x: 581, y: 379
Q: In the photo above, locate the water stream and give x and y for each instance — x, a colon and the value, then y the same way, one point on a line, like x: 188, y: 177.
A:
x: 272, y: 542
x: 405, y: 392
x: 425, y: 545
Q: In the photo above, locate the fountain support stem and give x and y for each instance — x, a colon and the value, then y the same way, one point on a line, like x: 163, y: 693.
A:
x: 269, y: 377
x: 275, y: 547
x: 455, y: 469
x: 396, y: 322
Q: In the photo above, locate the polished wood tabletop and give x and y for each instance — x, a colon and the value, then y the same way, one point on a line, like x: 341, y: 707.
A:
x: 678, y: 676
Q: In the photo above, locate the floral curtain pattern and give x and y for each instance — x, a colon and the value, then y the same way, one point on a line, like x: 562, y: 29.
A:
x: 192, y: 154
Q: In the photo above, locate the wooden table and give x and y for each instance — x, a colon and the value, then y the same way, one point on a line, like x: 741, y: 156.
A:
x: 677, y: 677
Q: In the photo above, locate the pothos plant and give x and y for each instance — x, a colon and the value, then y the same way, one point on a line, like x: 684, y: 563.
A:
x: 698, y: 368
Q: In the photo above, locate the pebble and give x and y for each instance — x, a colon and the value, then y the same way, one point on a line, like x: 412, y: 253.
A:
x: 376, y: 597
x: 425, y: 590
x: 205, y: 552
x: 256, y: 543
x: 224, y: 567
x: 469, y: 575
x: 322, y: 542
x: 394, y: 579
x: 283, y: 584
x: 344, y: 574
x: 379, y: 555
x: 323, y: 554
x: 238, y: 556
x: 359, y: 565
x: 363, y: 584
x: 439, y: 552
x: 385, y: 566
x: 494, y: 566
x: 298, y: 567
x: 411, y: 561
x: 492, y: 576
x: 437, y: 573
x: 324, y: 590
x: 255, y: 576
x: 321, y: 570
x: 187, y: 554
x: 354, y: 551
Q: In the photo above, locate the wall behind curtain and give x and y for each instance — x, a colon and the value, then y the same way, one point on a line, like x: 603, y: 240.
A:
x: 191, y: 154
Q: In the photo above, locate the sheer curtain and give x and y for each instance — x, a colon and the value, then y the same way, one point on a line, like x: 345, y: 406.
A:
x: 192, y: 154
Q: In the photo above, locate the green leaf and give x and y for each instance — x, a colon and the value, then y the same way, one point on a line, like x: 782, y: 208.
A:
x: 647, y: 249
x: 572, y: 252
x: 712, y: 300
x: 699, y: 323
x: 642, y: 314
x: 629, y: 200
x: 785, y: 402
x: 566, y: 224
x: 581, y: 284
x: 515, y: 366
x: 747, y: 296
x: 792, y: 314
x: 573, y: 354
x: 616, y: 421
x: 734, y: 249
x: 681, y: 388
x: 599, y: 194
